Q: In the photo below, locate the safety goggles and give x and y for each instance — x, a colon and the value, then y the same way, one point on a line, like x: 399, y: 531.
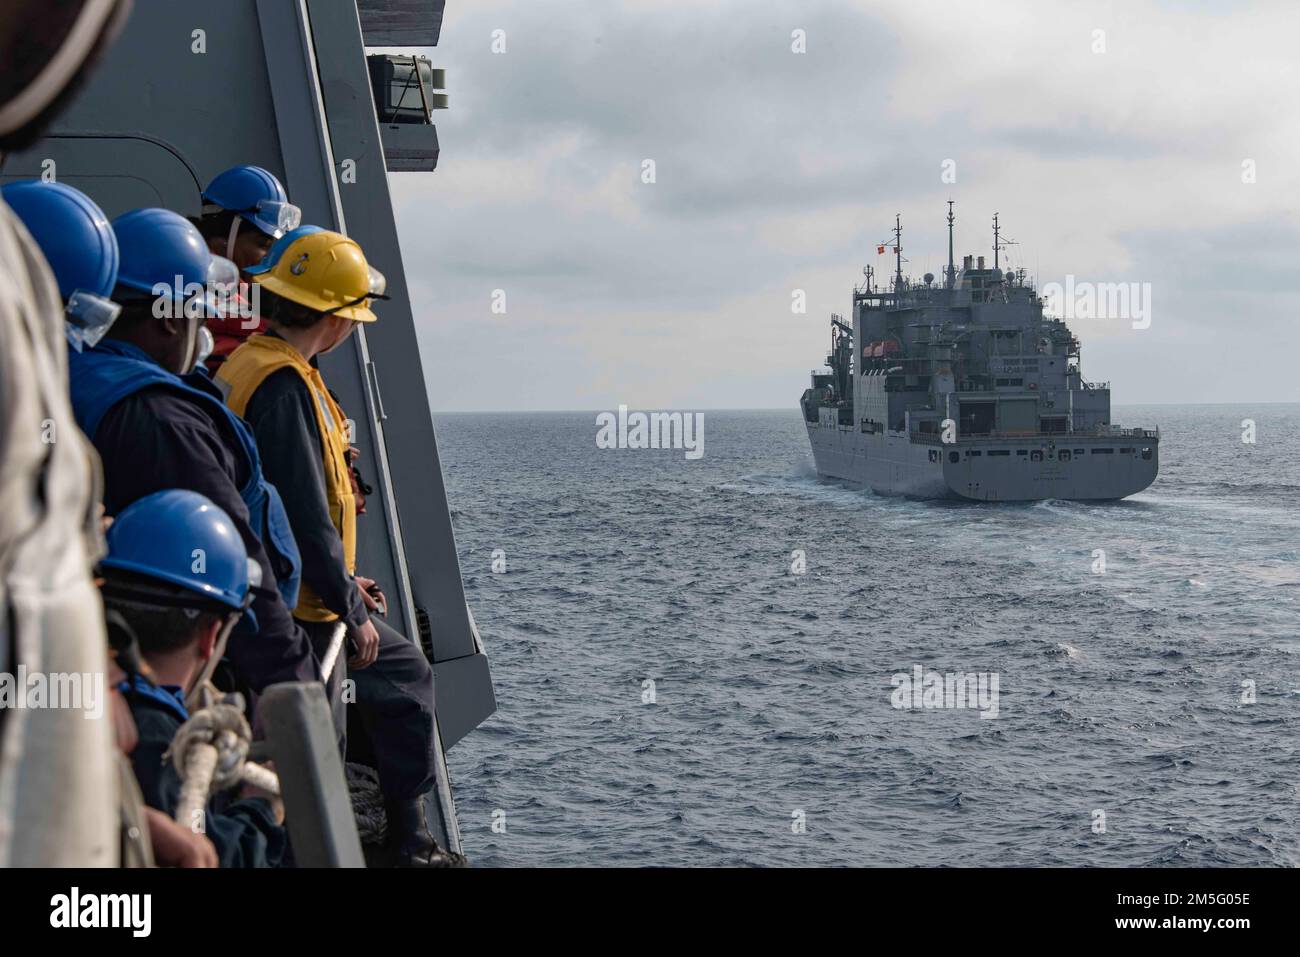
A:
x: 377, y: 286
x: 273, y: 216
x: 219, y: 285
x: 88, y: 317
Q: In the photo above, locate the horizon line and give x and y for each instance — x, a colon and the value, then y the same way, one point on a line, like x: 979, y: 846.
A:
x: 786, y: 408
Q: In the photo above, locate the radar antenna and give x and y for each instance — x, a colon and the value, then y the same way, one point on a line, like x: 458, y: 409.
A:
x: 999, y: 243
x: 898, y: 253
x: 951, y: 279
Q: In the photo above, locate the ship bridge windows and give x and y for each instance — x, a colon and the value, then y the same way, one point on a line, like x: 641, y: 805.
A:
x: 1125, y: 451
x: 1103, y: 451
x: 1000, y: 452
x: 1018, y: 381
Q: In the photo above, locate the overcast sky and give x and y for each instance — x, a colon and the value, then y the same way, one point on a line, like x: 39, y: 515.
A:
x: 779, y: 171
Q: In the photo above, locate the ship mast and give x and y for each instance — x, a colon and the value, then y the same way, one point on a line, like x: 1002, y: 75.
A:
x: 998, y: 242
x: 898, y: 254
x: 952, y: 272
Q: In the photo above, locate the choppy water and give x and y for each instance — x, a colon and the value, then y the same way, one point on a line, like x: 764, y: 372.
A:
x: 1120, y: 692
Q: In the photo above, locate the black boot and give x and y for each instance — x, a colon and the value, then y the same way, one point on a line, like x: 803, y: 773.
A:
x: 409, y: 839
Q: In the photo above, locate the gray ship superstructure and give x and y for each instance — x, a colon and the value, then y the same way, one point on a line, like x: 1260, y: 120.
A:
x: 966, y: 390
x: 192, y: 88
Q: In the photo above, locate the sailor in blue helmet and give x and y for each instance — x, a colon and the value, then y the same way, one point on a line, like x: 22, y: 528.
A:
x: 245, y: 210
x: 55, y: 765
x: 181, y: 612
x: 78, y: 243
x: 157, y: 424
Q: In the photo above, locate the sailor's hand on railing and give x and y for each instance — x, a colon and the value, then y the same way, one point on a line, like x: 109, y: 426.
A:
x: 372, y: 596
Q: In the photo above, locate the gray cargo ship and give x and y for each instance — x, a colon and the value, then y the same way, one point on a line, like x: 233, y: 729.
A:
x: 967, y: 390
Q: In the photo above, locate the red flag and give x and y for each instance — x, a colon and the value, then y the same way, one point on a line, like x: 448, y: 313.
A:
x: 880, y: 250
x: 896, y: 249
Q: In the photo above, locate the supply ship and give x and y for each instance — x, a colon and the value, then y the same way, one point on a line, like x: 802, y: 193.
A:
x: 967, y: 390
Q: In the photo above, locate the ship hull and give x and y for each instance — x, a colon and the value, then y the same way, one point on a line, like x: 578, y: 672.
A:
x: 1092, y: 468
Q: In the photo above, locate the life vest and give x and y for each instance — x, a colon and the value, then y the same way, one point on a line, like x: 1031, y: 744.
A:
x: 240, y: 377
x: 105, y: 375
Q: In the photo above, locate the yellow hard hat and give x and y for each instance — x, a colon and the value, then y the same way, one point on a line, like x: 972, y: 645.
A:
x: 325, y: 271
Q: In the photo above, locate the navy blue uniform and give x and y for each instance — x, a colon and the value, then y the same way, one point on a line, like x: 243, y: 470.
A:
x: 394, y: 696
x: 244, y: 832
x: 157, y: 439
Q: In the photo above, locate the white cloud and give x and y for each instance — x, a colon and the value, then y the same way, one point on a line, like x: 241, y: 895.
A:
x: 779, y: 171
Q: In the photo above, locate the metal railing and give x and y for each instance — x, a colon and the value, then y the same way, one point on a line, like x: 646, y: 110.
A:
x: 1107, y: 434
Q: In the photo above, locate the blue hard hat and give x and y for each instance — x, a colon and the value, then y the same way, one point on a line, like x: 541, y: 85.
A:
x: 181, y: 538
x: 256, y: 196
x: 78, y: 242
x: 160, y: 248
x: 279, y: 246
x: 72, y: 231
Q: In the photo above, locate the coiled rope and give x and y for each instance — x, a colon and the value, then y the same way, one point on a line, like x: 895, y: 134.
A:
x: 210, y: 750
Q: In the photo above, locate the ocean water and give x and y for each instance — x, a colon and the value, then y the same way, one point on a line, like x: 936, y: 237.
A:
x: 772, y: 738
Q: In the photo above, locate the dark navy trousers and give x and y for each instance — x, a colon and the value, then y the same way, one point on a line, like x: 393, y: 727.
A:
x: 387, y: 722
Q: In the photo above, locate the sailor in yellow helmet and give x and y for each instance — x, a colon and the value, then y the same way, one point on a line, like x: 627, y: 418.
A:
x: 315, y: 287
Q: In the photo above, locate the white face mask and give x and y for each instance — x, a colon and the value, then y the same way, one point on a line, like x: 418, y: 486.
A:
x: 203, y: 348
x: 193, y: 341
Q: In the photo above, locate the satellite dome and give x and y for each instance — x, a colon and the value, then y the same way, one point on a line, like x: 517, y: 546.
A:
x: 929, y: 278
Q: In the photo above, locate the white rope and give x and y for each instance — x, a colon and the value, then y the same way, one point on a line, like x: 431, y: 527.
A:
x: 261, y: 777
x: 211, y: 748
x: 332, y: 653
x: 196, y: 782
x: 210, y: 751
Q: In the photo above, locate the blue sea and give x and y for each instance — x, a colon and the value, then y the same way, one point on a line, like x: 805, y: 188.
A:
x: 672, y: 693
